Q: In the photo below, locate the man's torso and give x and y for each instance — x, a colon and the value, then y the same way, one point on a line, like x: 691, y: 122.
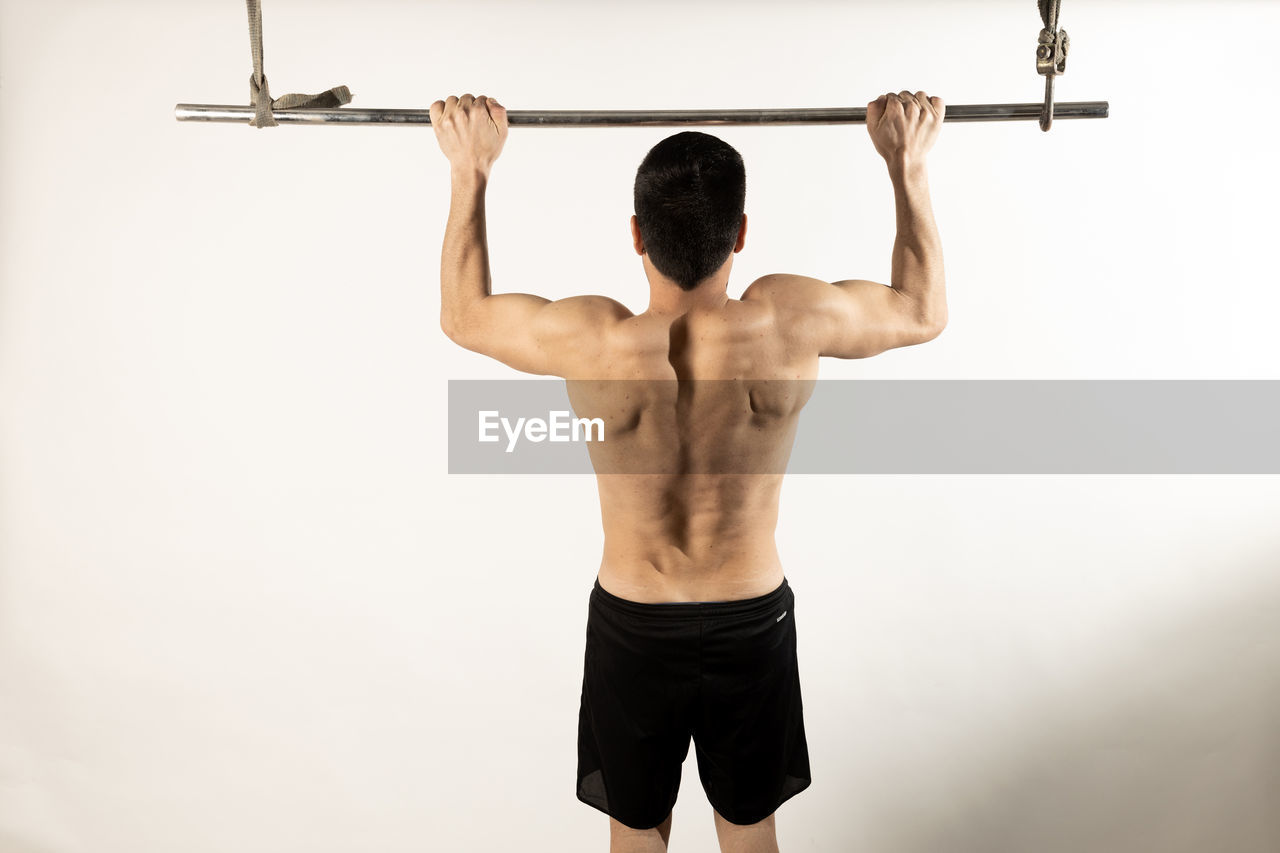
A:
x: 700, y: 412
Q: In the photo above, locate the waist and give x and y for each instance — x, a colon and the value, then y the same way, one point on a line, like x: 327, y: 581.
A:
x: 717, y: 609
x: 654, y: 581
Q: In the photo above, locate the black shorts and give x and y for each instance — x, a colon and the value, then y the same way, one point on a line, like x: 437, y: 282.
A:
x: 723, y: 673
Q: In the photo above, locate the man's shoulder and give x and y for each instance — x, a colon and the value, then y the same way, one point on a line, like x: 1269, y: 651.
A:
x: 594, y: 307
x: 777, y: 287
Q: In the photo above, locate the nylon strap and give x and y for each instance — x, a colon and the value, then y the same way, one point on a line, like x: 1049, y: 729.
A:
x: 260, y: 91
x: 1049, y: 13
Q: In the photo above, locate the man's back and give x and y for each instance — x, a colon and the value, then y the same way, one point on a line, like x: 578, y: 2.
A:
x: 700, y: 411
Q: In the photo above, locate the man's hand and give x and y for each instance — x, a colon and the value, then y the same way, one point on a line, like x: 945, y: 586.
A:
x: 904, y: 126
x: 471, y: 131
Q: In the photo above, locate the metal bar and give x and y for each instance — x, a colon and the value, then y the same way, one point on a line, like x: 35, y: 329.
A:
x: 642, y: 118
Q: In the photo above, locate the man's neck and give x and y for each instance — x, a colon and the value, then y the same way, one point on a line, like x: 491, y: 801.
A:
x: 667, y: 297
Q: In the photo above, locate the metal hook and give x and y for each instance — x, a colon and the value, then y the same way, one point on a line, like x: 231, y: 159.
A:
x: 1051, y: 60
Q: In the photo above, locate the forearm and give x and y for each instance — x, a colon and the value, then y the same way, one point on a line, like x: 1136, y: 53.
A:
x: 917, y: 249
x: 464, y: 260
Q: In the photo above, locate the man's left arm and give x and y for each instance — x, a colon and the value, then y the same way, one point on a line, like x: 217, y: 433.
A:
x: 523, y: 331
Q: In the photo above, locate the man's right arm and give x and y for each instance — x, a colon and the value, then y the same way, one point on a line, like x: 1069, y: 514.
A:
x: 857, y: 319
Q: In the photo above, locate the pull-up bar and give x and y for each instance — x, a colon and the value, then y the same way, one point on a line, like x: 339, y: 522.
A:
x: 645, y: 118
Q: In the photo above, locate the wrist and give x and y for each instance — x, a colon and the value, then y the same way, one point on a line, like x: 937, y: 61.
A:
x: 468, y: 176
x: 907, y: 168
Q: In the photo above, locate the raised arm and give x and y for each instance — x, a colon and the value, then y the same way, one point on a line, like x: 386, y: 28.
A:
x: 855, y: 318
x: 527, y: 332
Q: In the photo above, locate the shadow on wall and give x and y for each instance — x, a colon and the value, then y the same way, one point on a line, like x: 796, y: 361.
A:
x: 1173, y: 746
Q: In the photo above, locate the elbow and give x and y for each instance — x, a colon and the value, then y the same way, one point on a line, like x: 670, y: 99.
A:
x: 460, y: 324
x: 931, y: 318
x: 925, y: 315
x: 932, y: 325
x: 453, y: 330
x: 449, y: 327
x: 460, y: 332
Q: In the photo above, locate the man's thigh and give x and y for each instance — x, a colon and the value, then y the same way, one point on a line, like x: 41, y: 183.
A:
x: 749, y: 736
x: 639, y: 691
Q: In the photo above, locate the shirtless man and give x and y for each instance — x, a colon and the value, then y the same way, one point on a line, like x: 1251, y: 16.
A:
x: 688, y: 634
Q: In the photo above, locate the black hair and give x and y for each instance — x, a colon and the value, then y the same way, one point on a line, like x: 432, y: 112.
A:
x: 689, y: 195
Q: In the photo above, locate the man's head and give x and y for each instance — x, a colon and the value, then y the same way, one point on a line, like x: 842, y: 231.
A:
x: 689, y: 196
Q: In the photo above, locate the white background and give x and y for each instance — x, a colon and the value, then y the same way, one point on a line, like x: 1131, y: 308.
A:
x: 243, y: 607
